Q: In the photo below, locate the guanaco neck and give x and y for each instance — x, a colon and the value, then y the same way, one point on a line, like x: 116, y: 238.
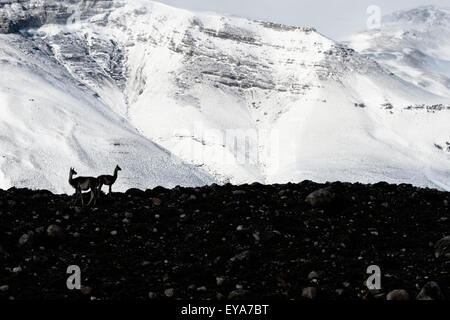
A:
x: 116, y: 170
x: 71, y: 178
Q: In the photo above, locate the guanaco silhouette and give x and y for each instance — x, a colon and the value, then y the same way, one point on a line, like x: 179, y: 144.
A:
x: 108, y: 180
x: 81, y: 184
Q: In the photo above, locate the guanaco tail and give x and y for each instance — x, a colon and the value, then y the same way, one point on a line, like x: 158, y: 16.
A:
x: 108, y: 180
x: 81, y: 184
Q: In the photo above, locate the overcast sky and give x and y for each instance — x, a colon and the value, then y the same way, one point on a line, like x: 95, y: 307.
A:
x: 334, y: 18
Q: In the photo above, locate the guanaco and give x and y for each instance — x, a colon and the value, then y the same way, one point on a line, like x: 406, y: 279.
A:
x: 81, y: 184
x: 108, y: 180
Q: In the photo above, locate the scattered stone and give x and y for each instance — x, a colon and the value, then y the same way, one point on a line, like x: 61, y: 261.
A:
x: 398, y: 295
x: 431, y: 291
x: 220, y: 281
x: 239, y: 192
x: 380, y: 296
x: 320, y: 198
x: 114, y: 233
x: 243, y: 256
x: 4, y: 288
x: 78, y: 210
x: 237, y: 295
x: 24, y: 239
x: 128, y: 215
x: 442, y: 248
x: 12, y: 203
x: 40, y: 230
x: 278, y: 238
x: 169, y: 293
x: 339, y: 292
x: 17, y: 269
x: 156, y: 201
x: 313, y: 275
x: 309, y: 293
x: 86, y: 290
x: 54, y: 231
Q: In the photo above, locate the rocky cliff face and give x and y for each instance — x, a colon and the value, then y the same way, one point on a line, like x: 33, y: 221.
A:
x: 16, y: 15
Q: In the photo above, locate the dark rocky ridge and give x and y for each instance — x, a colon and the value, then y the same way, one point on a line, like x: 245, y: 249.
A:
x: 219, y: 242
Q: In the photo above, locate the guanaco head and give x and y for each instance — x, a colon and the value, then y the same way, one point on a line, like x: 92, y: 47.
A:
x: 118, y: 168
x: 73, y: 172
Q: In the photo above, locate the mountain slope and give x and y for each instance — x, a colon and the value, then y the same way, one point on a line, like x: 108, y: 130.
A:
x: 414, y: 44
x: 50, y: 122
x: 249, y: 100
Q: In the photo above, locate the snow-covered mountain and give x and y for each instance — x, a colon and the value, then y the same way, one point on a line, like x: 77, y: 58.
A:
x: 50, y: 122
x: 414, y: 44
x: 238, y: 100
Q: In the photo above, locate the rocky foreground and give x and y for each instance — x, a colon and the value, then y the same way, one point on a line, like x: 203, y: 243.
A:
x: 229, y: 242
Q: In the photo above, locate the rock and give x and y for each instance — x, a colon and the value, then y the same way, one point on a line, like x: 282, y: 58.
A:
x: 192, y: 287
x: 241, y: 257
x: 12, y: 203
x: 4, y: 288
x: 442, y: 248
x: 86, y: 290
x: 339, y: 292
x: 398, y: 295
x: 430, y: 291
x: 220, y: 281
x: 320, y: 198
x: 239, y: 193
x: 309, y: 293
x: 17, y: 269
x: 128, y: 215
x: 313, y: 275
x: 78, y: 210
x: 237, y: 295
x: 380, y: 296
x: 114, y: 233
x: 24, y: 239
x: 54, y: 231
x: 39, y: 230
x: 152, y: 295
x: 156, y: 202
x: 169, y: 293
